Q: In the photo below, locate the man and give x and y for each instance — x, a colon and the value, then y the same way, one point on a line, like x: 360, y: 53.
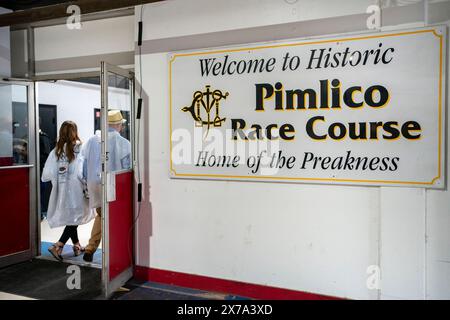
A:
x: 119, y: 156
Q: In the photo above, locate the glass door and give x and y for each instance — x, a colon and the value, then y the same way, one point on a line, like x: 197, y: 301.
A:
x: 117, y: 101
x: 18, y: 173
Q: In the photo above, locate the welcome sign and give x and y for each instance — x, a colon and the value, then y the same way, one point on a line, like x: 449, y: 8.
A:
x: 366, y: 109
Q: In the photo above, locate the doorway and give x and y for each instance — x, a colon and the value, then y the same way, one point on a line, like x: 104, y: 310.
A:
x: 78, y: 100
x: 59, y: 101
x: 48, y: 121
x: 47, y: 141
x: 66, y: 97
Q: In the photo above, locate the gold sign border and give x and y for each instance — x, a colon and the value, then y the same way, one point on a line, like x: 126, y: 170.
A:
x: 433, y: 31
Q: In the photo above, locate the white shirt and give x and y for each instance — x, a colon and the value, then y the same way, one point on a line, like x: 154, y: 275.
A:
x: 119, y: 153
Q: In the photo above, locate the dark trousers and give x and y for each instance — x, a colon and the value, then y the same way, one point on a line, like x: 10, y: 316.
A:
x: 69, y: 232
x: 46, y: 189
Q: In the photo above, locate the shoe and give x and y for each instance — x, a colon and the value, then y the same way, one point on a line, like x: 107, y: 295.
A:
x: 56, y: 251
x: 88, y: 257
x: 77, y: 249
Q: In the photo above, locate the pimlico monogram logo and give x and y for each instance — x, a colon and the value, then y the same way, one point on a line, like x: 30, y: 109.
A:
x: 217, y: 147
x: 202, y: 107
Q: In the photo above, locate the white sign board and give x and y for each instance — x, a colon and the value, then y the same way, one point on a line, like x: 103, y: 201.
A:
x: 364, y: 109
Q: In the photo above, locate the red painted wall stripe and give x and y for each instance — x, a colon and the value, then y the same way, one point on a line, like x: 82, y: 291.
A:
x: 242, y: 289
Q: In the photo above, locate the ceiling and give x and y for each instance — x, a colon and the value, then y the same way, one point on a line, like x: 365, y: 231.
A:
x: 27, y: 4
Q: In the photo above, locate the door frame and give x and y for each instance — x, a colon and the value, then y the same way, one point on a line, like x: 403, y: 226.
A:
x: 52, y: 78
x: 33, y: 112
x: 109, y: 286
x: 33, y: 165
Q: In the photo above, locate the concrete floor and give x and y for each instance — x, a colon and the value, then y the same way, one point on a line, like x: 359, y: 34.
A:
x: 8, y: 296
x: 47, y: 279
x: 137, y: 290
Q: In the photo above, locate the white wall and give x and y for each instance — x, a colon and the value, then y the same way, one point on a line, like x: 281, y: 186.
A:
x: 94, y: 37
x: 317, y: 239
x: 76, y: 101
x: 179, y: 18
x: 59, y: 49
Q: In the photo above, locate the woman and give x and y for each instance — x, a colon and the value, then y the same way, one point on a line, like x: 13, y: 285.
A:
x: 67, y: 205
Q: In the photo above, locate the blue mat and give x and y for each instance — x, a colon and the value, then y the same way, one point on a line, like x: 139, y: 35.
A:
x: 68, y: 254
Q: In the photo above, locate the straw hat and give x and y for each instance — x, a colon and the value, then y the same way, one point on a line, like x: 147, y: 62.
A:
x: 115, y: 117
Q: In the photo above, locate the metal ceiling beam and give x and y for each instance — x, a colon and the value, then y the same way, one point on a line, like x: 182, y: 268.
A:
x: 60, y: 10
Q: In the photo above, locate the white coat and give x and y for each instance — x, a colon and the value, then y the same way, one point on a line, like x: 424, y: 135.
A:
x: 119, y: 150
x: 67, y: 205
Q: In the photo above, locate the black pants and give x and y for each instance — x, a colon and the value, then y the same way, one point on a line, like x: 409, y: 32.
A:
x: 69, y: 232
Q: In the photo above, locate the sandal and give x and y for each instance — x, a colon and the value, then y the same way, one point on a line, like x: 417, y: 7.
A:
x: 56, y: 251
x: 77, y: 249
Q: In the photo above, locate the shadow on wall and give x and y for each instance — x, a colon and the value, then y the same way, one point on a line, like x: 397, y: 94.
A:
x: 145, y: 215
